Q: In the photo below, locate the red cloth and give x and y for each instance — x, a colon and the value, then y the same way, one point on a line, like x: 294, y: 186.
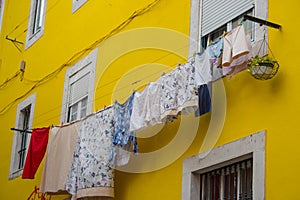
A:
x: 36, y: 151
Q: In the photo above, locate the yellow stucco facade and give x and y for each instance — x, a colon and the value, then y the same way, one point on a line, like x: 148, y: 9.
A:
x: 153, y: 39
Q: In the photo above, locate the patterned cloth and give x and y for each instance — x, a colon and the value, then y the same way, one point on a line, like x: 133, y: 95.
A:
x: 91, y: 173
x: 178, y: 92
x: 122, y: 135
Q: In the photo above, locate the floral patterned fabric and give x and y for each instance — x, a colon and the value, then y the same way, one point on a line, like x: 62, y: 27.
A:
x: 122, y: 135
x: 91, y: 170
x: 178, y: 92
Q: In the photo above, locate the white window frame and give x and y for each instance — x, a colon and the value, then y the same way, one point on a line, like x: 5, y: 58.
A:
x: 88, y: 64
x: 1, y: 13
x: 33, y: 35
x: 77, y: 4
x: 14, y: 172
x: 260, y: 11
x: 253, y: 145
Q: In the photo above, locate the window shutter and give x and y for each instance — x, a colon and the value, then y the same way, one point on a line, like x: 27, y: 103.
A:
x: 79, y: 89
x: 217, y: 13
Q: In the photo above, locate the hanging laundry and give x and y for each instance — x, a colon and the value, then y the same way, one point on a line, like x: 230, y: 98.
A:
x: 146, y: 108
x: 217, y: 72
x: 203, y: 74
x: 240, y: 63
x: 36, y: 151
x: 59, y: 158
x: 91, y: 174
x: 168, y: 103
x: 178, y: 92
x: 123, y: 138
x: 204, y: 94
x: 187, y: 98
x: 216, y: 52
x: 235, y: 45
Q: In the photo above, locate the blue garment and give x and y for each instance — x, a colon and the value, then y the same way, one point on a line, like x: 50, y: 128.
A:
x: 204, y: 100
x: 122, y: 135
x: 216, y: 49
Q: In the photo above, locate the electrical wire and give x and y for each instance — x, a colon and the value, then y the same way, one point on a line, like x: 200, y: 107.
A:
x: 102, y: 96
x: 83, y: 52
x: 5, y: 83
x: 129, y: 84
x: 25, y: 19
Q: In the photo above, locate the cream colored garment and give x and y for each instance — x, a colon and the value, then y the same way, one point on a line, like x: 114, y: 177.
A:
x: 240, y: 63
x: 146, y: 108
x: 235, y: 45
x: 59, y: 158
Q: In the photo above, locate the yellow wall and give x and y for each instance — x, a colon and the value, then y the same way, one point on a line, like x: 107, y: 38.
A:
x: 152, y: 43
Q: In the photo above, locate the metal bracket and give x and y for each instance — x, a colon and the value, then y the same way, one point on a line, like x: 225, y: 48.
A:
x: 261, y: 21
x: 22, y: 131
x: 13, y: 40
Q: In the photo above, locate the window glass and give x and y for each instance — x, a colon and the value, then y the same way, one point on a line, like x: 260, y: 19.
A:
x: 1, y: 12
x: 228, y: 182
x: 23, y: 124
x: 79, y: 89
x: 36, y: 21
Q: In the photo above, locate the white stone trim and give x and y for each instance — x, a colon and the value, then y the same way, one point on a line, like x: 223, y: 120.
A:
x: 77, y: 4
x: 32, y: 38
x: 1, y: 13
x: 260, y: 9
x: 89, y: 63
x: 251, y: 146
x: 13, y: 172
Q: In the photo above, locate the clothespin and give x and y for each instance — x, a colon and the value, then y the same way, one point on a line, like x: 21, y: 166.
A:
x: 104, y: 107
x: 194, y: 54
x: 250, y: 31
x: 224, y: 33
x: 241, y: 21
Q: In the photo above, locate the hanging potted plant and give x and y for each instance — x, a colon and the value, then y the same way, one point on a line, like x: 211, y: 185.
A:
x: 262, y: 67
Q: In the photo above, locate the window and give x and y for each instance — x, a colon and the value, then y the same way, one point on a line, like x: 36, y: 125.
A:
x: 230, y: 182
x: 79, y: 89
x: 77, y: 4
x: 36, y: 21
x: 212, y: 36
x: 1, y: 12
x: 209, y: 19
x: 233, y: 171
x: 21, y: 138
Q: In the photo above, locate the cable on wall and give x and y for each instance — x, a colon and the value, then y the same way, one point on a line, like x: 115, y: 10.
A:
x: 83, y: 52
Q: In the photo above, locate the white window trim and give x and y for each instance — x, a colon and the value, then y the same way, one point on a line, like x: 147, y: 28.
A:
x: 230, y: 153
x: 1, y: 13
x: 260, y: 10
x: 30, y: 100
x: 77, y: 4
x: 32, y: 38
x: 89, y: 61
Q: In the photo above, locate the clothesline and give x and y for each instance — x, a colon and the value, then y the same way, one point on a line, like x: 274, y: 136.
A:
x: 49, y: 119
x: 195, y: 55
x: 104, y: 138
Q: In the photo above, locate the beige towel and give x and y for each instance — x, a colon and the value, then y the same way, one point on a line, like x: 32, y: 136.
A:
x: 59, y: 158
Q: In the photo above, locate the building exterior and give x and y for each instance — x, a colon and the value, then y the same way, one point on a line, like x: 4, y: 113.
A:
x: 63, y: 60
